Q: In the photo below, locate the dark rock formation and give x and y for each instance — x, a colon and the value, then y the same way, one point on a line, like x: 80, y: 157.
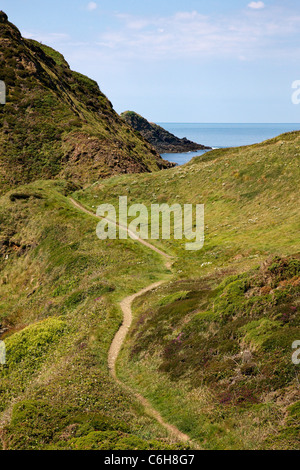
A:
x: 162, y: 140
x: 3, y: 17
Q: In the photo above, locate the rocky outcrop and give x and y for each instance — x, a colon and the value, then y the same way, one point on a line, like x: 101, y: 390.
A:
x: 162, y: 140
x: 3, y: 17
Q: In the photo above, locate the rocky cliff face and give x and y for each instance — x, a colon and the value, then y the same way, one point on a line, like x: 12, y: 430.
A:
x: 162, y: 140
x: 57, y: 123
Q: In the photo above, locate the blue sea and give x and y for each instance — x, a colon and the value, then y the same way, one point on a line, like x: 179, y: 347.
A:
x: 222, y: 136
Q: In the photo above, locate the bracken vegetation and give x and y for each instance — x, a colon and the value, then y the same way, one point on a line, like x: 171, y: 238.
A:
x: 228, y: 348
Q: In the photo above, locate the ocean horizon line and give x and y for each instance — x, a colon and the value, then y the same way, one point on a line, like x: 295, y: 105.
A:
x: 230, y: 123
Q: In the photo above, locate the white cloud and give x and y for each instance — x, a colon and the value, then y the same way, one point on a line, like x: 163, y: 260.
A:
x: 187, y: 34
x: 183, y: 35
x: 256, y: 5
x: 190, y: 35
x: 92, y: 6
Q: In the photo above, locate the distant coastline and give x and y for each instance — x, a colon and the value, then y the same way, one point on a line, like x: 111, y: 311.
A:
x: 223, y: 135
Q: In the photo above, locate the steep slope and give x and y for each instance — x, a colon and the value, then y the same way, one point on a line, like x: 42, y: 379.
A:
x: 160, y: 138
x: 57, y: 122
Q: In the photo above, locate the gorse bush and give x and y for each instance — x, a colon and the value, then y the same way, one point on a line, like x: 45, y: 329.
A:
x: 33, y: 342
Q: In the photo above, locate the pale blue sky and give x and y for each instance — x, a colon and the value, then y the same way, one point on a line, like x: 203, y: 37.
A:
x: 178, y: 60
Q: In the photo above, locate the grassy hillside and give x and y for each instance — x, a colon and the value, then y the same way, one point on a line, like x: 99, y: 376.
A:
x: 215, y: 357
x: 59, y: 290
x: 250, y: 195
x: 212, y: 350
x: 57, y: 122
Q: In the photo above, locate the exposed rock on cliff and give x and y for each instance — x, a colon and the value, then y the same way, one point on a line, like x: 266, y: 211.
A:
x: 162, y: 140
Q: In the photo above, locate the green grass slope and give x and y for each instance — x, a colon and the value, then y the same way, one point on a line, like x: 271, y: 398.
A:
x: 212, y: 350
x: 215, y: 357
x: 57, y: 122
x: 59, y: 293
x: 250, y: 194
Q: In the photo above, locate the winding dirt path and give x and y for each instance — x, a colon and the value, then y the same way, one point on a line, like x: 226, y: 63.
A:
x: 168, y: 258
x: 117, y: 343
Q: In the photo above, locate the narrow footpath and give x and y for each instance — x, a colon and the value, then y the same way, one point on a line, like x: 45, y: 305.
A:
x: 117, y: 343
